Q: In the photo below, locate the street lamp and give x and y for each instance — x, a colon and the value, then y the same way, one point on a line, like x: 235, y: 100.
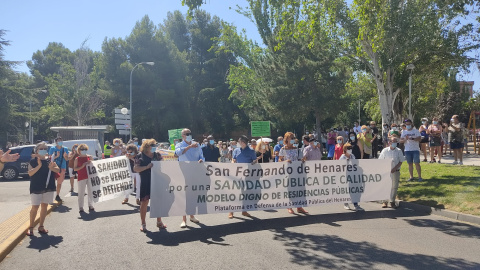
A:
x: 359, y: 122
x: 131, y: 73
x: 410, y: 67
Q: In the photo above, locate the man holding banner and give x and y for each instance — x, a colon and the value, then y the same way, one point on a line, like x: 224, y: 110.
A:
x: 244, y: 155
x: 188, y: 151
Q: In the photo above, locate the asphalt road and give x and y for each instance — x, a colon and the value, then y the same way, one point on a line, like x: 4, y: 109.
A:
x: 330, y: 237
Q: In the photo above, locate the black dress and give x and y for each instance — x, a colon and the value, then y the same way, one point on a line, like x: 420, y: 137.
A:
x: 266, y: 157
x: 146, y: 176
x: 38, y: 181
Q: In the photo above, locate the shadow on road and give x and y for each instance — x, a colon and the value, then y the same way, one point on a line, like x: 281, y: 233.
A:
x: 448, y: 227
x: 342, y: 253
x: 89, y: 216
x: 62, y: 209
x: 219, y: 231
x: 44, y: 241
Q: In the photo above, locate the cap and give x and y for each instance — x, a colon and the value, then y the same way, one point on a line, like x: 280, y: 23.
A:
x: 407, y: 120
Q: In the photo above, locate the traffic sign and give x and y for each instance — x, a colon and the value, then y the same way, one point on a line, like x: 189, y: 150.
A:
x: 121, y: 116
x: 124, y: 132
x: 120, y: 127
x: 119, y: 111
x: 122, y: 121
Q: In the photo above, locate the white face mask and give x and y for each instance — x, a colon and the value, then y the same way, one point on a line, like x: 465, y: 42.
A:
x: 295, y: 145
x: 188, y: 138
x: 349, y: 151
x: 315, y: 143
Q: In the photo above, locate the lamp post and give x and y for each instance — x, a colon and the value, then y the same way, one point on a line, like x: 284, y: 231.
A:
x: 359, y: 123
x: 131, y: 73
x: 410, y: 67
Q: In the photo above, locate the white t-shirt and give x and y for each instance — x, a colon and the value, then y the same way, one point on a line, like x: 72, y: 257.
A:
x: 411, y: 145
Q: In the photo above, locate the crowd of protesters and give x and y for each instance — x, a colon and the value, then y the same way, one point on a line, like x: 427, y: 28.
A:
x: 397, y: 142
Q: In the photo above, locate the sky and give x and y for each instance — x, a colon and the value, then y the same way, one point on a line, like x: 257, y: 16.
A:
x: 31, y: 25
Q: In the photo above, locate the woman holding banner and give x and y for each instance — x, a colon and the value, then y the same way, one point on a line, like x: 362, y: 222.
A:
x: 131, y: 154
x: 42, y: 185
x: 143, y: 166
x: 289, y: 153
x: 80, y: 165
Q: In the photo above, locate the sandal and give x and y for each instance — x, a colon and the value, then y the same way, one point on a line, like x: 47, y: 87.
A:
x: 42, y: 231
x: 143, y: 228
x: 138, y: 201
x: 30, y: 231
x: 301, y: 210
x: 160, y: 225
x: 125, y: 201
x: 290, y: 211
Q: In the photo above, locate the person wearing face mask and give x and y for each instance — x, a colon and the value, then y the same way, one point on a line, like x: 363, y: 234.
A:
x: 331, y: 137
x: 312, y: 151
x: 71, y: 160
x: 289, y: 153
x: 233, y: 146
x: 80, y: 165
x: 456, y: 134
x: 445, y: 141
x: 253, y: 144
x: 411, y: 138
x: 348, y: 155
x: 338, y: 148
x: 143, y: 166
x: 224, y: 153
x: 118, y: 149
x: 243, y: 154
x: 60, y: 153
x: 395, y: 154
x: 42, y: 185
x: 188, y: 150
x: 210, y: 151
x: 425, y: 138
x: 352, y: 140
x: 374, y: 131
x: 262, y: 152
x: 435, y: 133
x: 131, y: 154
x: 365, y: 142
x: 277, y: 147
x: 356, y: 128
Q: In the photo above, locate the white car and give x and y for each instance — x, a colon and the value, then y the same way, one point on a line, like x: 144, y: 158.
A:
x: 94, y: 147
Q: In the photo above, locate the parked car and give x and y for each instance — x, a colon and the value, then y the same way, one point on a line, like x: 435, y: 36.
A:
x: 20, y: 167
x: 94, y: 148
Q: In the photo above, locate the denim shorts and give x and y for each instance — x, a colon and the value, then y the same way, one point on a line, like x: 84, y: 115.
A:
x: 456, y: 145
x: 412, y: 156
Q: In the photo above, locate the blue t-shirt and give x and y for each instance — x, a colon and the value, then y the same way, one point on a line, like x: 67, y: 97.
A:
x: 277, y: 149
x: 246, y: 155
x: 61, y: 161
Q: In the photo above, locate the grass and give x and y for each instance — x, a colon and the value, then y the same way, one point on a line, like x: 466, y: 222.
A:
x: 445, y: 186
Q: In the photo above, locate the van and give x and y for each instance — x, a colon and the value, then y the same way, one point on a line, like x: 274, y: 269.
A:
x: 94, y: 148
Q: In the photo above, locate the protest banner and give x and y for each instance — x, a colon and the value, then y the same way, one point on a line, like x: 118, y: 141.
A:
x: 260, y: 128
x: 109, y: 178
x: 180, y: 188
x: 168, y: 155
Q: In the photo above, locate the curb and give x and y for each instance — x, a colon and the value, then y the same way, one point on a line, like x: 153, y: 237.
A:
x: 441, y: 212
x: 15, y: 238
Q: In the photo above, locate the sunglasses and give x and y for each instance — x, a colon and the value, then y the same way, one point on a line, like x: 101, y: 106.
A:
x: 153, y: 145
x: 82, y: 149
x: 187, y: 134
x: 349, y: 148
x: 42, y: 148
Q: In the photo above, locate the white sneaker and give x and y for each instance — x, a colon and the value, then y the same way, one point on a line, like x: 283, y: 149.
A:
x: 194, y: 220
x: 455, y: 163
x: 460, y: 163
x: 358, y: 208
x: 183, y: 225
x: 346, y: 207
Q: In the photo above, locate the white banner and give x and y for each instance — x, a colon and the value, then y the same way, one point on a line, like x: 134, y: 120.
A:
x: 109, y: 178
x: 180, y: 188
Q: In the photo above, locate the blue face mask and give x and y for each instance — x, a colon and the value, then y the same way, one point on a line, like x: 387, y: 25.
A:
x: 315, y: 143
x: 435, y: 122
x: 292, y: 141
x: 280, y: 142
x: 394, y: 145
x: 212, y: 142
x: 135, y: 143
x: 408, y: 126
x: 60, y: 143
x: 154, y: 149
x: 339, y: 141
x: 364, y: 130
x: 352, y: 138
x: 117, y: 144
x: 42, y: 152
x: 295, y: 145
x: 132, y: 153
x: 83, y: 152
